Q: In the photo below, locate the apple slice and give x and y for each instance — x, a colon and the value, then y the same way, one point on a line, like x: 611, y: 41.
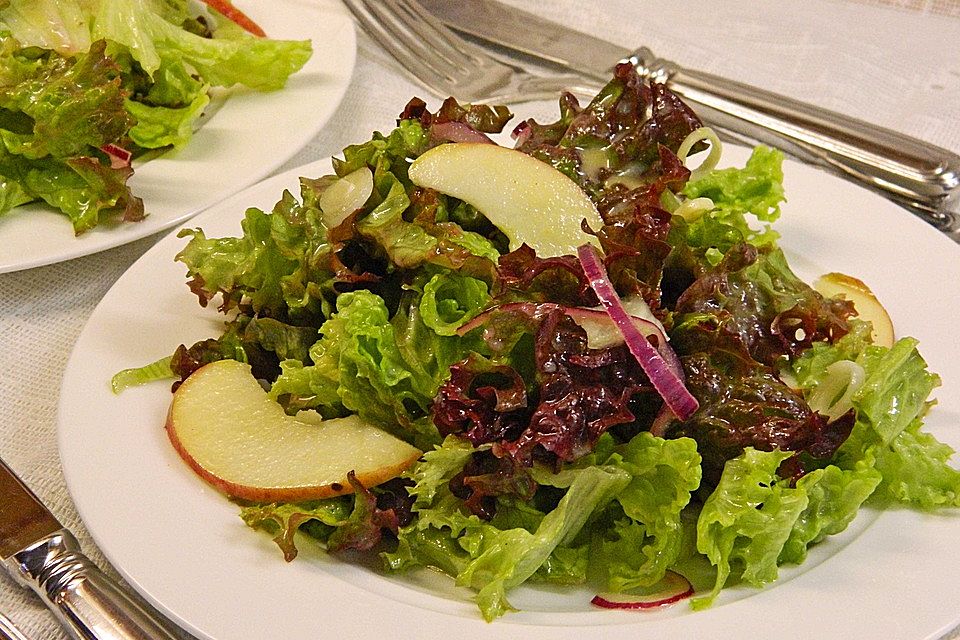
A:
x: 345, y: 196
x: 866, y: 304
x: 528, y: 200
x: 223, y: 424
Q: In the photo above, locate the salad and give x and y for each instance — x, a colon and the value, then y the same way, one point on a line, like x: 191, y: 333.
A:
x: 666, y: 398
x: 88, y: 85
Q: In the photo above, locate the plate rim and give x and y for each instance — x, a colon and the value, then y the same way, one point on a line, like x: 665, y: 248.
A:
x: 724, y: 620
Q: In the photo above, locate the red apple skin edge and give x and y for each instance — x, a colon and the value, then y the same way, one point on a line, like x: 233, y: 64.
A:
x: 283, y: 494
x: 279, y: 494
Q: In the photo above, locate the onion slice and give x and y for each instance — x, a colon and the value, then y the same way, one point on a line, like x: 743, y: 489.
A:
x: 119, y: 157
x: 664, y: 379
x: 602, y: 333
x: 459, y: 132
x: 345, y: 195
x: 673, y: 588
x: 660, y: 423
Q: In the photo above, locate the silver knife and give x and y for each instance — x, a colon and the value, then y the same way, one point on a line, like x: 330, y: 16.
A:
x: 39, y: 553
x: 8, y: 631
x: 923, y: 177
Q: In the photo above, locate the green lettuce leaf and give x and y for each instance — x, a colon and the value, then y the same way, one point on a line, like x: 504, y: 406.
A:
x: 258, y: 63
x: 449, y: 300
x: 504, y: 559
x: 647, y: 482
x: 279, y: 266
x: 12, y: 194
x: 159, y: 127
x: 169, y: 112
x: 318, y: 518
x: 71, y: 105
x: 432, y: 538
x: 386, y: 370
x: 407, y: 244
x: 407, y: 140
x: 349, y: 522
x: 485, y: 557
x: 644, y: 543
x: 55, y: 113
x: 82, y: 188
x: 748, y: 519
x: 62, y: 25
x: 887, y: 434
x: 834, y: 497
x: 757, y: 189
x: 755, y: 521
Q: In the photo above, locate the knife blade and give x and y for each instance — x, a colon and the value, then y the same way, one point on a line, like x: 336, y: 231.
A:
x: 41, y: 554
x: 918, y: 175
x: 529, y: 34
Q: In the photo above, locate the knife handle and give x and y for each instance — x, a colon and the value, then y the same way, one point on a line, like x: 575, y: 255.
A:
x: 923, y: 177
x: 88, y: 604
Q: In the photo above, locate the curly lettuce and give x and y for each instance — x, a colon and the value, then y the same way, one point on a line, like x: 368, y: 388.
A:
x: 549, y: 457
x: 755, y: 520
x: 734, y: 193
x: 890, y: 405
x: 80, y: 76
x: 647, y: 481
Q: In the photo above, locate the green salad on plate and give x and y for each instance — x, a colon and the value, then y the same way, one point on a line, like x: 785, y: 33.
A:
x: 88, y: 85
x: 651, y: 397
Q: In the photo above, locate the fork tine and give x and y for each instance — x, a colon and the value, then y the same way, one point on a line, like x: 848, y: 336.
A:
x: 444, y: 64
x: 433, y: 32
x: 439, y: 82
x: 406, y: 31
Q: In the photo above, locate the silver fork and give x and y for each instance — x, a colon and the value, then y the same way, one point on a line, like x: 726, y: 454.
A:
x: 449, y: 66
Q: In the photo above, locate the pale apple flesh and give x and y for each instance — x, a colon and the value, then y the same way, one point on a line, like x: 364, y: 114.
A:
x: 528, y: 200
x: 864, y: 302
x: 226, y: 428
x: 345, y: 196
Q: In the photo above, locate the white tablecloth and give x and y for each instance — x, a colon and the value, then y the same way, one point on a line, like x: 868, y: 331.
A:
x: 893, y: 62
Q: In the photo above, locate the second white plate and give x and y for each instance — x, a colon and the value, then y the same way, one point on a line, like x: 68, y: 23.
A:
x: 247, y: 138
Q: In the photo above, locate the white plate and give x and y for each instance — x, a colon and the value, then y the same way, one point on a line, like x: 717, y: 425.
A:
x: 181, y: 544
x: 247, y: 138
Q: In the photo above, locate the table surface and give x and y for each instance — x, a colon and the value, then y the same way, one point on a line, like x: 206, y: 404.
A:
x: 892, y: 62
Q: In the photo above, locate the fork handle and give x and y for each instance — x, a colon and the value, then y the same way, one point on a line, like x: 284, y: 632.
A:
x: 88, y: 604
x: 923, y: 177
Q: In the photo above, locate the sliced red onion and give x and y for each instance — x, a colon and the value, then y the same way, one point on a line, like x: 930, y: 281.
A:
x: 674, y: 587
x: 636, y: 306
x: 667, y: 383
x: 522, y: 132
x: 526, y: 308
x: 603, y: 333
x: 459, y: 132
x: 660, y: 423
x: 119, y: 157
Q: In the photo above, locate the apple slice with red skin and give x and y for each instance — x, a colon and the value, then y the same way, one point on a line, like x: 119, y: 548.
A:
x: 226, y: 428
x: 864, y: 302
